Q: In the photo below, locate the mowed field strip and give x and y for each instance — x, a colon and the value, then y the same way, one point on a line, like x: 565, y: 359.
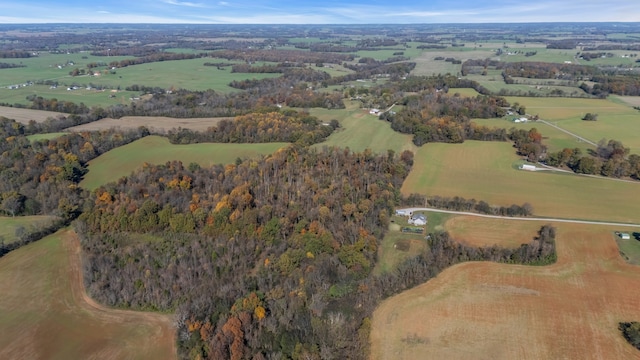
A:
x: 484, y: 310
x: 46, y: 314
x: 158, y: 150
x: 158, y: 123
x: 486, y: 171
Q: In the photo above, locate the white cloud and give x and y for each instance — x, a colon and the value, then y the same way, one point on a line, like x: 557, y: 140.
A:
x: 223, y: 3
x: 184, y: 3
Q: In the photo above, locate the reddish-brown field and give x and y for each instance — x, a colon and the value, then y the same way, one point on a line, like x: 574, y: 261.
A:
x: 25, y: 115
x: 479, y: 231
x: 158, y: 123
x: 483, y: 310
x: 46, y: 314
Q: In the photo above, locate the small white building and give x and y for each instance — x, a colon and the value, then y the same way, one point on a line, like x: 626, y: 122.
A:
x: 625, y: 236
x: 374, y: 112
x: 528, y: 167
x: 403, y: 213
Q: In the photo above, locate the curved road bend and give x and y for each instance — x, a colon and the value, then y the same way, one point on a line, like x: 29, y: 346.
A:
x: 521, y: 218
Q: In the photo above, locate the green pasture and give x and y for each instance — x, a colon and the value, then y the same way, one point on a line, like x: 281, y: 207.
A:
x: 45, y: 67
x: 47, y: 136
x: 629, y: 249
x: 186, y: 74
x: 8, y: 225
x: 397, y: 246
x: 488, y: 171
x: 615, y: 119
x: 82, y: 95
x: 360, y: 130
x: 124, y: 160
x: 543, y: 54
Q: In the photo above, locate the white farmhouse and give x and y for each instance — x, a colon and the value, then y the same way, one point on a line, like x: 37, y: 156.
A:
x: 418, y: 220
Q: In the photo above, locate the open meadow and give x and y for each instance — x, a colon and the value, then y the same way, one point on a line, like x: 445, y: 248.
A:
x: 124, y: 160
x: 9, y: 225
x: 46, y: 314
x: 360, y: 130
x: 616, y: 120
x: 157, y: 123
x: 484, y: 310
x: 487, y: 171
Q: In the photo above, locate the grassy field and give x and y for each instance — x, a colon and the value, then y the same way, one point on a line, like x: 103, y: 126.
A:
x: 486, y: 171
x: 397, y: 247
x: 47, y: 136
x: 616, y: 120
x: 186, y: 74
x: 46, y: 314
x: 157, y: 150
x: 427, y: 65
x: 88, y: 97
x: 629, y: 248
x: 483, y: 310
x: 8, y: 225
x: 360, y: 130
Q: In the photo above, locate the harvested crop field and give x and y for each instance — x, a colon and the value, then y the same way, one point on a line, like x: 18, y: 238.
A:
x: 479, y: 231
x: 46, y: 314
x: 483, y: 310
x: 25, y: 115
x: 157, y: 123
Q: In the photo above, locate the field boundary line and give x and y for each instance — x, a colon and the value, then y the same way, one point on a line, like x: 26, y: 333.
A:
x: 568, y: 132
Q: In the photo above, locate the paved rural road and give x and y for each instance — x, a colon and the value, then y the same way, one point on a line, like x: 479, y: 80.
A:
x: 568, y: 132
x: 522, y: 218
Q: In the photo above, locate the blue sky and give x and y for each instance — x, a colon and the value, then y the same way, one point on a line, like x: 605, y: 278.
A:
x: 316, y: 12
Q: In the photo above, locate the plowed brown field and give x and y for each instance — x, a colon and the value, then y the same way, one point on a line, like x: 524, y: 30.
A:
x: 25, y: 115
x: 46, y: 314
x: 158, y: 123
x: 483, y: 310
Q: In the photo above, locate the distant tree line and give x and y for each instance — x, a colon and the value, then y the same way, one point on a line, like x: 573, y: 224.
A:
x: 15, y: 54
x: 457, y: 203
x: 280, y: 55
x: 4, y: 65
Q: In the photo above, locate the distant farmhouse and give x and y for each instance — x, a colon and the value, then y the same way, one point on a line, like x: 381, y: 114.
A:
x: 418, y: 220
